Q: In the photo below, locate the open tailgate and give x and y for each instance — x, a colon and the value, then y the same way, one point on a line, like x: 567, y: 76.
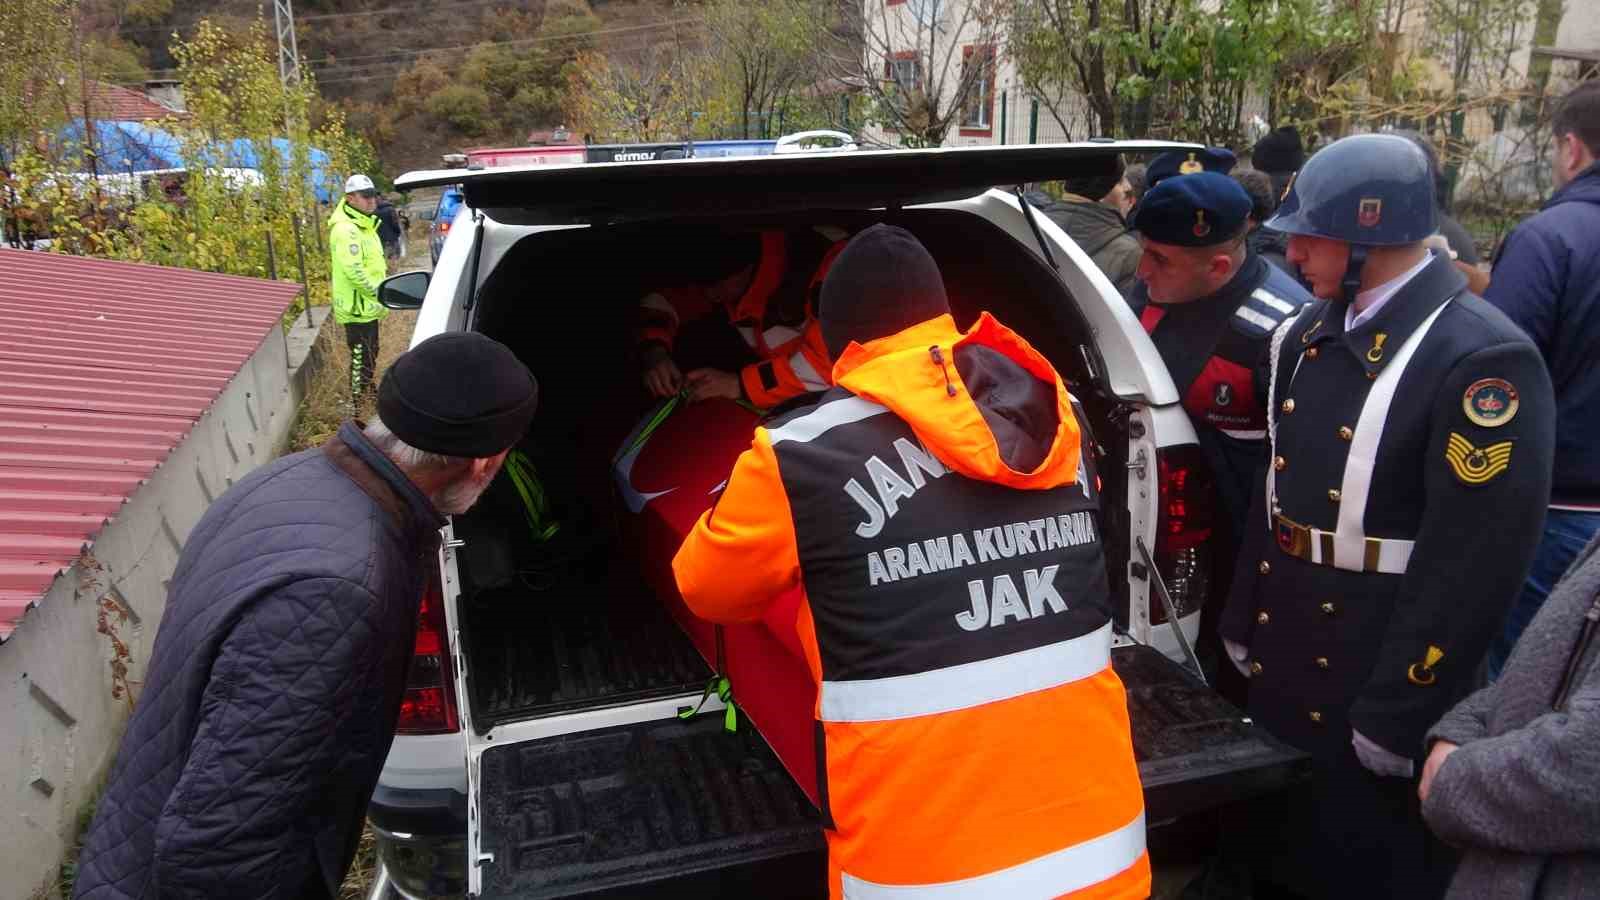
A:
x: 636, y: 191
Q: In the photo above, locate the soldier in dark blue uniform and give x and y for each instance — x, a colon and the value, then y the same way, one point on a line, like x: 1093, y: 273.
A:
x: 1210, y: 305
x: 1412, y: 431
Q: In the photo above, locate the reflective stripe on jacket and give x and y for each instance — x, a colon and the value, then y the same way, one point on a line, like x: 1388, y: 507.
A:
x: 357, y: 265
x: 942, y: 519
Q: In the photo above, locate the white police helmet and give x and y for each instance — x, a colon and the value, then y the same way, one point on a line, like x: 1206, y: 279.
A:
x: 358, y: 182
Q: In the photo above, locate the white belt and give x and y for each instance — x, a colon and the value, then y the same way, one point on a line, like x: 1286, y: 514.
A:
x: 1386, y: 555
x: 1347, y: 546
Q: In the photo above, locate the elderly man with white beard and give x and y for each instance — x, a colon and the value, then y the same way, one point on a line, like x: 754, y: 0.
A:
x: 279, y: 671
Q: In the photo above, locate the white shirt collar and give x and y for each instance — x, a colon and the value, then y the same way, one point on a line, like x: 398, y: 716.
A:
x: 1375, y: 298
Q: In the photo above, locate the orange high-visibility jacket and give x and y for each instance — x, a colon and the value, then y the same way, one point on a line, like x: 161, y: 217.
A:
x: 937, y: 510
x: 794, y: 359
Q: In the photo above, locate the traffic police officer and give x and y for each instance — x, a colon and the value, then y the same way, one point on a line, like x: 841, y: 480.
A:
x: 357, y: 265
x: 1412, y: 435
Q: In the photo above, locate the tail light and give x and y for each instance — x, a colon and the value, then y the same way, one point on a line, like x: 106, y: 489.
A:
x: 444, y: 227
x: 1183, y: 529
x: 429, y: 704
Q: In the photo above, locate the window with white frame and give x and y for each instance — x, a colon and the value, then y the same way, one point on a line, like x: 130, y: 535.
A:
x: 977, y: 107
x: 905, y: 70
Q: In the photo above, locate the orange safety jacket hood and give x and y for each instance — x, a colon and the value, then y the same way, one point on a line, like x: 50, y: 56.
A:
x: 918, y: 374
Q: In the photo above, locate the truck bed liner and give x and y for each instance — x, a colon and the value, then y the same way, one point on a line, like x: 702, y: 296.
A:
x: 1196, y: 751
x: 536, y: 654
x: 674, y: 808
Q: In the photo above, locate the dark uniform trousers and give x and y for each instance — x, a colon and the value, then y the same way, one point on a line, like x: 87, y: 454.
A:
x: 362, y: 339
x: 1380, y: 555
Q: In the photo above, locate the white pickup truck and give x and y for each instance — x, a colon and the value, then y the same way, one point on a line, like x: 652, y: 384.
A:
x: 539, y: 752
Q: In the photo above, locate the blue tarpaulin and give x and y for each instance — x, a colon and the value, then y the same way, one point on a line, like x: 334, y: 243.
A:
x: 133, y: 147
x: 125, y: 147
x: 241, y: 153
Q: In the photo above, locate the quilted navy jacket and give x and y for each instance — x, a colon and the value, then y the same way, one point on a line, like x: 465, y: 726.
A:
x: 1547, y: 280
x: 274, y: 686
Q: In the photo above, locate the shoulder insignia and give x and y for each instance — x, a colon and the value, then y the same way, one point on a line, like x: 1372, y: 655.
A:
x: 1490, y: 402
x: 1422, y: 673
x: 355, y: 249
x: 1476, y: 465
x: 1261, y: 313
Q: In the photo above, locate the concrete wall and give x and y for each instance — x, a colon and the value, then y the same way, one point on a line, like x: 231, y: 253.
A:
x: 62, y: 704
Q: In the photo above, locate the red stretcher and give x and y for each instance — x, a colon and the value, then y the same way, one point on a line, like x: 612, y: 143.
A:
x: 666, y: 479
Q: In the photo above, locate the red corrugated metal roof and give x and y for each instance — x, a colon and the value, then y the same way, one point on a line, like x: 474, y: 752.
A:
x: 110, y: 101
x: 104, y: 368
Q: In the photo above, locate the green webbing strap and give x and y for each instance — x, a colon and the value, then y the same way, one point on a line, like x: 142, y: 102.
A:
x: 519, y: 468
x: 667, y: 408
x: 724, y: 691
x: 665, y: 411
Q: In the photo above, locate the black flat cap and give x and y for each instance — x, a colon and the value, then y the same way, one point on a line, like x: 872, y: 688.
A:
x: 1193, y: 211
x: 458, y: 394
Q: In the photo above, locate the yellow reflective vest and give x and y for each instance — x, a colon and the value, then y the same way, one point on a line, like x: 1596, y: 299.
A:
x: 357, y: 265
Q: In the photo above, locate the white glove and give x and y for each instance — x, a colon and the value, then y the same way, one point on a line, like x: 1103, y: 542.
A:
x: 1380, y: 761
x: 1238, y: 654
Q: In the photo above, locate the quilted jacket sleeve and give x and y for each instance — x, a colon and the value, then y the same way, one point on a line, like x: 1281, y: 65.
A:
x: 274, y: 726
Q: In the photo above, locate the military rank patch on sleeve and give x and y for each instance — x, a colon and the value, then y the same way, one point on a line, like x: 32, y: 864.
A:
x: 1476, y: 465
x: 1490, y: 402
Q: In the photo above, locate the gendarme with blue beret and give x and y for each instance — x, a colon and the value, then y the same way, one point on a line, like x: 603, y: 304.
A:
x: 1200, y: 210
x: 1189, y: 162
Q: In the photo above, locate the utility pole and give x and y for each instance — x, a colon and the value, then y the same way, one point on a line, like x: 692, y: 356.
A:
x: 289, y: 75
x: 288, y: 53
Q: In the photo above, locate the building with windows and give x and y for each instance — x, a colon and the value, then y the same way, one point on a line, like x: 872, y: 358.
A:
x: 946, y: 59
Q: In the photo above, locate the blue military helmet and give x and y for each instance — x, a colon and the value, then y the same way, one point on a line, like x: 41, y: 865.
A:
x: 1371, y: 190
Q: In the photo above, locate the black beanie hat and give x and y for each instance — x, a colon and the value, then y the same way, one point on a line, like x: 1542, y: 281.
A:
x: 1280, y: 152
x: 883, y: 282
x: 458, y: 394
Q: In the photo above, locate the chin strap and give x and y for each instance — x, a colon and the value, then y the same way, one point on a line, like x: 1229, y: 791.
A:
x: 1352, y: 273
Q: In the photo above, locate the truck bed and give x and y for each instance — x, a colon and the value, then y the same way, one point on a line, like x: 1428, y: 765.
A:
x: 534, y: 654
x: 658, y: 809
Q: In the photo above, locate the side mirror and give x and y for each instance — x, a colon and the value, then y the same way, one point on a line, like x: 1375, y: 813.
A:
x: 403, y: 291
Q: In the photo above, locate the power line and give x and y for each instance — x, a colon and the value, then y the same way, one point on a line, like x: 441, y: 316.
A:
x: 386, y: 11
x: 333, y: 63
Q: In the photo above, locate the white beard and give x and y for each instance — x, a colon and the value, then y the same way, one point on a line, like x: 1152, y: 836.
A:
x: 459, y: 497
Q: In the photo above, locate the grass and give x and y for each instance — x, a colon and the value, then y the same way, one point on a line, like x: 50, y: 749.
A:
x: 327, y: 395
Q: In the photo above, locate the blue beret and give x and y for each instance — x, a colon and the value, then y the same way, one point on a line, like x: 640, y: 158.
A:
x: 1193, y: 211
x: 1190, y: 162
